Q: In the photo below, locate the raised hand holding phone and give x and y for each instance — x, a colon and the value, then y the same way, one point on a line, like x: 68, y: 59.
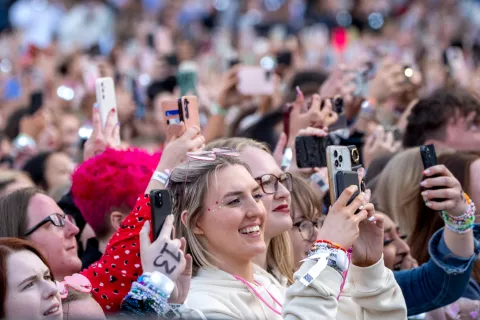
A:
x: 101, y: 138
x: 107, y: 102
x: 164, y: 254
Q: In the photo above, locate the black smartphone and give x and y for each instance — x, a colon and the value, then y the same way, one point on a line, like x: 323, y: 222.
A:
x: 233, y: 62
x: 151, y: 41
x: 429, y: 159
x: 172, y: 60
x: 338, y: 106
x: 284, y: 58
x: 161, y: 204
x: 345, y: 179
x: 36, y: 102
x: 311, y: 151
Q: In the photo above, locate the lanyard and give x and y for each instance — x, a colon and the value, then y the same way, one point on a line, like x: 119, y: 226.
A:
x: 259, y: 296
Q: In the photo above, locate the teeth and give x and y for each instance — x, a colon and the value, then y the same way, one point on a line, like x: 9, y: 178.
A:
x: 53, y: 310
x: 250, y: 230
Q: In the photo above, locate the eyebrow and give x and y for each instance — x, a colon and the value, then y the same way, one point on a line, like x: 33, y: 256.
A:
x: 27, y: 280
x: 238, y: 193
x: 388, y: 230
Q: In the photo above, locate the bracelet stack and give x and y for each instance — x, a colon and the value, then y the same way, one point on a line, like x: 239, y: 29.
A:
x: 154, y: 289
x: 463, y: 223
x: 326, y: 254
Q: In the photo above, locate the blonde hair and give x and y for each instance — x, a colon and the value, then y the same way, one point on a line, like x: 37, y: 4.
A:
x: 279, y: 252
x: 398, y: 191
x: 305, y: 200
x: 188, y: 185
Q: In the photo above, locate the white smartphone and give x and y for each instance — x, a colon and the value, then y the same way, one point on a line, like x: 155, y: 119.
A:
x: 338, y: 159
x: 105, y: 90
x: 255, y: 81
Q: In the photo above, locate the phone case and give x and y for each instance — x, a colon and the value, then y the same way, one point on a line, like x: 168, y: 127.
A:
x: 255, y: 81
x: 338, y: 159
x: 311, y: 152
x: 171, y: 115
x: 354, y: 157
x: 161, y: 204
x: 429, y: 159
x: 106, y: 100
x: 345, y: 179
x: 189, y: 111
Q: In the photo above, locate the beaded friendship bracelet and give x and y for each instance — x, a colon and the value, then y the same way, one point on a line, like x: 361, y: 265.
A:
x: 463, y: 223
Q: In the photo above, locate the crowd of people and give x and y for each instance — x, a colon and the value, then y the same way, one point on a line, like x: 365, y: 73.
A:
x: 251, y: 233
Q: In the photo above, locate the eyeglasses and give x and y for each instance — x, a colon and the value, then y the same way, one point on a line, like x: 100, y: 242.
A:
x: 307, y: 228
x: 269, y: 182
x: 57, y: 219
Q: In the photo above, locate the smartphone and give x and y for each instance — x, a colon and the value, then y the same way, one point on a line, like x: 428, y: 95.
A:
x: 161, y: 204
x: 106, y: 100
x: 338, y: 159
x: 287, y: 109
x: 455, y: 60
x: 354, y: 157
x: 345, y: 179
x: 233, y: 62
x: 188, y: 109
x: 187, y: 77
x: 429, y: 159
x: 171, y: 115
x: 151, y: 41
x: 311, y: 152
x: 338, y: 106
x: 36, y: 102
x: 255, y: 81
x: 284, y: 58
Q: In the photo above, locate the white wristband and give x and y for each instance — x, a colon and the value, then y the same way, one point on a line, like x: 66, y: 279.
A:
x: 161, y: 281
x: 161, y: 177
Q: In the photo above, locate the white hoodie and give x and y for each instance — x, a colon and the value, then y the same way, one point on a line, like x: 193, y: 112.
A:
x: 369, y: 294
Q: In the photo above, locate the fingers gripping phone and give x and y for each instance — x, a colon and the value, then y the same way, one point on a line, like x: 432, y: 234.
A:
x: 161, y: 204
x: 429, y: 159
x: 105, y: 91
x: 311, y: 152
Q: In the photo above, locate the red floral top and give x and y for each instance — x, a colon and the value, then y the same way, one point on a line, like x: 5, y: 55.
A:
x: 120, y: 265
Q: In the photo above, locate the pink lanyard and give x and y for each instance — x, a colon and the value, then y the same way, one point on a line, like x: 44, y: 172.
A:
x: 258, y: 295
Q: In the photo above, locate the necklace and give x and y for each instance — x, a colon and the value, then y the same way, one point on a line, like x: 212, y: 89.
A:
x: 249, y: 285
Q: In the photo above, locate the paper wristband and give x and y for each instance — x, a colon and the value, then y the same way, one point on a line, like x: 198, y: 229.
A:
x: 315, y: 271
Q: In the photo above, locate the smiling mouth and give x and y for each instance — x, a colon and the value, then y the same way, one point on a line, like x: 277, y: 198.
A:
x: 250, y: 230
x: 52, y: 310
x: 398, y: 266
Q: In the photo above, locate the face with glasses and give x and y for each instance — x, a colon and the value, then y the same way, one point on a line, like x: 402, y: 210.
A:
x: 276, y: 186
x: 304, y: 233
x: 54, y: 233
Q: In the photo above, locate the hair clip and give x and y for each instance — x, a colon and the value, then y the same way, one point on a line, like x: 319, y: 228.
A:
x: 212, y: 154
x: 77, y: 282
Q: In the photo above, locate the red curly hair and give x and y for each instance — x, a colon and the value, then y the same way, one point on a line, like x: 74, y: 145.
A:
x: 111, y: 181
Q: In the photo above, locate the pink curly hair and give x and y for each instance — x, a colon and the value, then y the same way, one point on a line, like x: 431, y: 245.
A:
x: 111, y: 181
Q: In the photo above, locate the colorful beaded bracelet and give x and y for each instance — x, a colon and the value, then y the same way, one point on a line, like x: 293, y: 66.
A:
x: 334, y: 245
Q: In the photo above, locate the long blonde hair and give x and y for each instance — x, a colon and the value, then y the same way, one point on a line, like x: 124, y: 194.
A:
x: 188, y: 185
x: 279, y: 252
x: 398, y: 191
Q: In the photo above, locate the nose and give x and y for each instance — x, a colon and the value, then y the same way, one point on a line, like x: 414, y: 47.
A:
x: 70, y: 229
x: 50, y: 289
x: 282, y: 192
x: 402, y: 247
x: 255, y: 209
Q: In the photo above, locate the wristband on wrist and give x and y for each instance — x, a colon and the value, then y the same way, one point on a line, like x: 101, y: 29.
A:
x: 216, y: 109
x: 325, y: 255
x: 157, y: 281
x: 162, y: 177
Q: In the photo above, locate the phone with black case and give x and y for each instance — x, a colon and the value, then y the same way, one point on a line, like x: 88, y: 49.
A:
x: 161, y: 204
x: 345, y: 179
x: 429, y: 159
x: 311, y: 151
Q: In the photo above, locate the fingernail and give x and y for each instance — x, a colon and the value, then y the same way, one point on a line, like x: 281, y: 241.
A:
x: 95, y: 105
x: 113, y: 109
x: 428, y: 204
x: 423, y: 183
x: 355, y: 188
x: 118, y: 124
x: 299, y: 92
x: 371, y: 219
x: 361, y: 208
x: 426, y: 171
x: 424, y: 193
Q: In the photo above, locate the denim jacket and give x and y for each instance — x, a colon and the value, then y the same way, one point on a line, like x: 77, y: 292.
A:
x: 440, y: 281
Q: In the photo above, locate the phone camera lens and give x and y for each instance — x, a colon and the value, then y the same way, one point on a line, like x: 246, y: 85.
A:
x: 336, y: 163
x: 335, y: 154
x: 340, y: 158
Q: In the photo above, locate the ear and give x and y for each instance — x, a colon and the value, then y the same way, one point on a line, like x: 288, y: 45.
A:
x: 196, y: 229
x: 116, y: 219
